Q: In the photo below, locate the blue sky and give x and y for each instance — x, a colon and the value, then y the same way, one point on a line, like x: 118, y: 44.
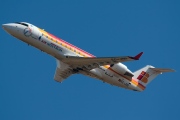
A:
x: 103, y: 28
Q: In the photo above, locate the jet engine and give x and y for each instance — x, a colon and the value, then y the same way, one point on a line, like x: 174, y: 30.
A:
x: 122, y: 69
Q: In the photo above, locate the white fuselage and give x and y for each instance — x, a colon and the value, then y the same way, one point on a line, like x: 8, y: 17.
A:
x: 59, y: 49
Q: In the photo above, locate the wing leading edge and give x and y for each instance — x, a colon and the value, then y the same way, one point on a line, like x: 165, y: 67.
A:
x: 95, y: 62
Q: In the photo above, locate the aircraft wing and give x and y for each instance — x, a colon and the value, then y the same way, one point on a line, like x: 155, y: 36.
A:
x: 94, y: 62
x: 62, y: 71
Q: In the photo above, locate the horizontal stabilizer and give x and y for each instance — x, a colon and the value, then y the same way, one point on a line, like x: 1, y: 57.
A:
x: 162, y: 70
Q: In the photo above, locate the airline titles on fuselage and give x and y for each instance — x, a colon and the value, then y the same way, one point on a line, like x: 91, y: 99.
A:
x: 52, y: 45
x: 27, y: 33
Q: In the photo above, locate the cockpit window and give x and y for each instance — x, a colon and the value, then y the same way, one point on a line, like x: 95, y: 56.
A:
x: 22, y: 24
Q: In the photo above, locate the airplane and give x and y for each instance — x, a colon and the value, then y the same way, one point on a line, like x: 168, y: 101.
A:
x: 73, y: 60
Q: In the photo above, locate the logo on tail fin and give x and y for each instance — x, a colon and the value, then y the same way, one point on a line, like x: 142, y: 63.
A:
x: 143, y: 77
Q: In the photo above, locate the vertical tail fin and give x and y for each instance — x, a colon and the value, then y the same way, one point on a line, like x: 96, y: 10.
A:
x: 148, y: 73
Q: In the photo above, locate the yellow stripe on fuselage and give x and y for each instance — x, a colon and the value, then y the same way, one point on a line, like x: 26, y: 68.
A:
x: 70, y: 47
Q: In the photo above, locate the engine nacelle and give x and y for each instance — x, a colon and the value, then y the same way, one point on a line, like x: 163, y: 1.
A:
x: 122, y: 69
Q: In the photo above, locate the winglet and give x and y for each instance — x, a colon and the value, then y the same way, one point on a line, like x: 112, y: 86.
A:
x: 137, y: 56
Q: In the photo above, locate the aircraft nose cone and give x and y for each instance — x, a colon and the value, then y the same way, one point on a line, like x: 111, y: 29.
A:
x: 9, y: 27
x: 6, y: 26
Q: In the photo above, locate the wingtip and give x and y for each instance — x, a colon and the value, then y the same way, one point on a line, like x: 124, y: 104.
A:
x: 138, y: 56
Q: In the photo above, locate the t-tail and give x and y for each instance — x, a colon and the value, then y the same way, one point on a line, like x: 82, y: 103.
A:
x: 146, y: 74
